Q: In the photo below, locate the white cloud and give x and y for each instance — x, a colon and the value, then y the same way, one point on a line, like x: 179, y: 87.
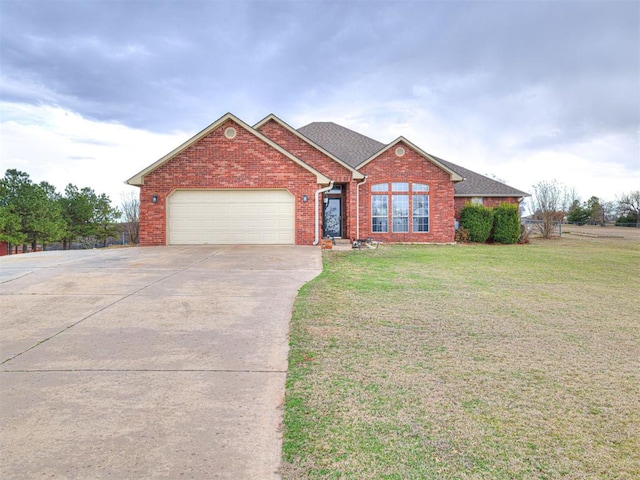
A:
x: 61, y: 147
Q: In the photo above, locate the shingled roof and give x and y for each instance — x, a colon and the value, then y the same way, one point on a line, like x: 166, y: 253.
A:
x: 476, y: 185
x: 354, y: 148
x: 351, y: 147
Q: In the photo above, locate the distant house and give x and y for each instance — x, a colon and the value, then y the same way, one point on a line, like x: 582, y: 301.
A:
x: 272, y: 184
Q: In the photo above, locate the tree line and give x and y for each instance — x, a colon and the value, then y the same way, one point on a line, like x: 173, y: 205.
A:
x: 36, y: 214
x: 552, y: 203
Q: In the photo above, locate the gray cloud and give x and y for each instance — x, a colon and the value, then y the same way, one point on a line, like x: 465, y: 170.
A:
x: 565, y: 68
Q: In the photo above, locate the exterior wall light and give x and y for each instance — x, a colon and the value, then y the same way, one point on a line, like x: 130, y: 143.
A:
x: 154, y: 199
x: 305, y: 199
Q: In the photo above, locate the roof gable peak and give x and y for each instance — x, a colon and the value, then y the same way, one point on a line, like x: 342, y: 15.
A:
x: 138, y: 179
x: 271, y: 117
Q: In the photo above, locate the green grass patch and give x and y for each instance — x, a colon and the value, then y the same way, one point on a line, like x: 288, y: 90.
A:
x: 467, y: 361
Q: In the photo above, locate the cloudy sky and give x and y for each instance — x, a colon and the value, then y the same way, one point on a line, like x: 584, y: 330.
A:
x: 91, y: 92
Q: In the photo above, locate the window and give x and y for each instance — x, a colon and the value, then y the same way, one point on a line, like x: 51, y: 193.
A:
x: 379, y: 214
x: 476, y: 200
x: 335, y: 189
x: 419, y: 187
x: 421, y: 213
x: 400, y: 207
x: 395, y: 203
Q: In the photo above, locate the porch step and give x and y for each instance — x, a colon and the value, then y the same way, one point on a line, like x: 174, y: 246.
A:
x: 342, y: 241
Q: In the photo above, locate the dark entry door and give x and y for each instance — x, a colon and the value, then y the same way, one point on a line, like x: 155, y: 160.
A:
x: 333, y: 217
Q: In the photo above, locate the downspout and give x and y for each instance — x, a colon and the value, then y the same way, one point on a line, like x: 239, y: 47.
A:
x: 358, y: 207
x: 318, y: 192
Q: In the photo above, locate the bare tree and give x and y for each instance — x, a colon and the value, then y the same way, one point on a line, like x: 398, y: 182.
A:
x: 131, y: 214
x: 629, y: 206
x: 549, y: 205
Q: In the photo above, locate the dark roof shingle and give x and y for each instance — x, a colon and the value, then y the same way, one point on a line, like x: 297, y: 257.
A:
x: 351, y: 147
x: 478, y: 185
x: 354, y: 148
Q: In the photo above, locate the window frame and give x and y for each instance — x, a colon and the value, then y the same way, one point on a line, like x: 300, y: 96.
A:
x: 400, y: 212
x: 384, y: 218
x: 398, y: 201
x: 414, y: 217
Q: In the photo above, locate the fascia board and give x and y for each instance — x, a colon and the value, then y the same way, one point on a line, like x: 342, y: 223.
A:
x: 138, y: 179
x: 506, y: 195
x: 354, y: 173
x: 454, y: 176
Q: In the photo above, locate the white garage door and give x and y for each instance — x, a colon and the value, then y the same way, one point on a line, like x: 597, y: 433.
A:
x: 230, y: 216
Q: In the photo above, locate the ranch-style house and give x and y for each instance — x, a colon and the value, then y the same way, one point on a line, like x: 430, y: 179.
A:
x: 272, y: 184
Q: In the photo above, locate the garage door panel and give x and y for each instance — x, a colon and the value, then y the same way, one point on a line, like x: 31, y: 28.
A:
x: 231, y: 216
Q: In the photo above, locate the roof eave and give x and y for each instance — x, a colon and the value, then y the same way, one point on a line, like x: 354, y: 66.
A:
x: 355, y: 174
x: 505, y: 195
x: 455, y: 177
x: 138, y: 178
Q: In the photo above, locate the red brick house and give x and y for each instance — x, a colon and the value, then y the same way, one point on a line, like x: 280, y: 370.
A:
x: 273, y: 184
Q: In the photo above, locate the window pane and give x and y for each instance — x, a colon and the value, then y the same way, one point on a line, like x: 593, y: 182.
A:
x: 420, y: 224
x: 400, y: 206
x: 380, y: 187
x: 476, y: 200
x: 400, y: 187
x: 420, y: 187
x: 379, y: 212
x: 379, y: 205
x: 400, y: 225
x: 379, y: 225
x: 421, y: 213
x: 420, y: 205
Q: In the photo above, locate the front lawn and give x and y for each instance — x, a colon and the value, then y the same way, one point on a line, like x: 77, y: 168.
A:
x: 468, y: 361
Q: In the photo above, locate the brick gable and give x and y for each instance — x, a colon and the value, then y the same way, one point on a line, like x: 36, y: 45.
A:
x: 216, y: 162
x: 412, y: 168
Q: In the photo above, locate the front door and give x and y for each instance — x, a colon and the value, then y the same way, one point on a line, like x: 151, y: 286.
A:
x: 333, y: 217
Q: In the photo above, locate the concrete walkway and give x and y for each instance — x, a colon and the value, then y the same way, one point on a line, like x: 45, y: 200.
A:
x: 160, y: 362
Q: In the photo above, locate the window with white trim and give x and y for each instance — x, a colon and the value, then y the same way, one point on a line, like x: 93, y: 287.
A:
x: 400, y: 206
x: 379, y: 214
x: 396, y: 202
x: 476, y: 200
x: 419, y: 187
x: 420, y: 213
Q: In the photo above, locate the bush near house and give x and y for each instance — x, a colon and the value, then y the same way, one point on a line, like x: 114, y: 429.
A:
x: 506, y: 223
x: 478, y: 221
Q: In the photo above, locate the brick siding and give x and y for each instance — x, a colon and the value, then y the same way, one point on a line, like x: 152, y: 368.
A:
x: 412, y: 168
x: 324, y: 164
x: 216, y: 162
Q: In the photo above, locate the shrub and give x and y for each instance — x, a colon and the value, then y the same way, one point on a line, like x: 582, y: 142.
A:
x: 506, y: 223
x: 462, y: 235
x: 478, y: 220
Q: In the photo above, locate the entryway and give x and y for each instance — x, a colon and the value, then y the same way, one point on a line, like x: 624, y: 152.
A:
x: 333, y: 217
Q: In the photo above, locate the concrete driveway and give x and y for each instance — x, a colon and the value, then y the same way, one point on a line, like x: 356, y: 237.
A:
x: 158, y: 362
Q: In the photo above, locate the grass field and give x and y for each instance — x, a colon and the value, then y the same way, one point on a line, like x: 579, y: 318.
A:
x: 468, y: 361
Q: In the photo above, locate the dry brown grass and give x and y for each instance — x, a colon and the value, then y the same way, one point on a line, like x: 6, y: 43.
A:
x: 468, y: 361
x: 628, y: 233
